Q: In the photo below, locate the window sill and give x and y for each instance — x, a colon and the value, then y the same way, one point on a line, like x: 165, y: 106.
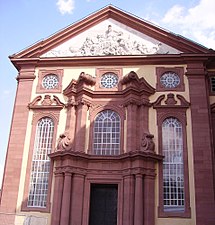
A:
x: 164, y: 213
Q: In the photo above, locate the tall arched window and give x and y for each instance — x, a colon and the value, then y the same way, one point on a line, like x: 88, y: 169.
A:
x: 38, y: 189
x: 106, y: 140
x: 173, y: 167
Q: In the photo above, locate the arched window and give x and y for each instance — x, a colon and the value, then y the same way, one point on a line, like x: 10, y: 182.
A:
x: 40, y: 163
x: 173, y: 167
x: 106, y: 140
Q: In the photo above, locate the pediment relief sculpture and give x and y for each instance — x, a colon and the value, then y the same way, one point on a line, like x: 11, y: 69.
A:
x: 112, y: 41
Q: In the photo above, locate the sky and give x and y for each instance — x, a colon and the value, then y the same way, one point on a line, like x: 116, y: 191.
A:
x: 25, y: 22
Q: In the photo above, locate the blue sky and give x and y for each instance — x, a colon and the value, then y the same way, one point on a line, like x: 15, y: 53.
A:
x: 24, y: 22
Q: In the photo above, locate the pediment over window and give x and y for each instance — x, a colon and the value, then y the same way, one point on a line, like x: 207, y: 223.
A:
x: 171, y: 101
x: 46, y: 102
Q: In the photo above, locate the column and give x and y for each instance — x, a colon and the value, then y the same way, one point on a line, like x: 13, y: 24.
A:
x: 57, y: 199
x: 138, y: 207
x: 131, y: 126
x: 65, y: 208
x: 202, y: 151
x: 77, y: 199
x: 128, y: 200
x: 81, y: 126
x: 149, y: 200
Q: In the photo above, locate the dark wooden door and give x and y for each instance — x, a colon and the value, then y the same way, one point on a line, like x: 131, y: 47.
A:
x: 103, y: 204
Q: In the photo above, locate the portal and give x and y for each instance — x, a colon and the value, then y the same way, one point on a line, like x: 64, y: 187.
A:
x: 103, y: 204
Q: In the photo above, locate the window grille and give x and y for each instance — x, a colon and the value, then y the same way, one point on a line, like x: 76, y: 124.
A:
x: 212, y: 79
x: 106, y: 139
x: 173, y: 170
x: 41, y: 163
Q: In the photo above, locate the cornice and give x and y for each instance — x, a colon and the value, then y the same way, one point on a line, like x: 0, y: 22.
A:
x: 124, y: 60
x: 81, y: 155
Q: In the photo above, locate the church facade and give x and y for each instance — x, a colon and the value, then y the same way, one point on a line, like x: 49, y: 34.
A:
x: 113, y: 124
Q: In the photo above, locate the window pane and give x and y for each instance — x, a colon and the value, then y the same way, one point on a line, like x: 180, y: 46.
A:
x: 106, y: 129
x: 173, y: 171
x: 212, y: 79
x: 41, y: 163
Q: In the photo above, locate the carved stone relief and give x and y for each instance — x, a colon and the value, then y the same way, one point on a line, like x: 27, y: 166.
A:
x: 116, y: 39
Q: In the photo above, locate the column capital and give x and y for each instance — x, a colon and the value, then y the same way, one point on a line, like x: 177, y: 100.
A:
x: 58, y: 173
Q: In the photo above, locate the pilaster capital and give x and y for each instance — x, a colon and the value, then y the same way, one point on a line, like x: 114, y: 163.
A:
x: 83, y: 102
x: 26, y: 73
x: 196, y: 70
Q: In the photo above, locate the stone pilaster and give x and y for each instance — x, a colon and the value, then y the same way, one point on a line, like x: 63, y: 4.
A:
x: 202, y: 152
x: 128, y: 200
x: 131, y: 125
x: 67, y: 190
x: 138, y: 205
x: 16, y: 143
x: 81, y: 117
x: 77, y: 199
x: 57, y: 199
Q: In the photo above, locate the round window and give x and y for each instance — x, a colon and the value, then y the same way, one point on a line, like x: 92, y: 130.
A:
x: 170, y: 80
x: 109, y: 80
x: 50, y: 81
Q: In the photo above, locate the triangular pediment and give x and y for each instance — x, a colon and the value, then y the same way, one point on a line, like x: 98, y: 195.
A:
x: 129, y: 35
x: 110, y: 37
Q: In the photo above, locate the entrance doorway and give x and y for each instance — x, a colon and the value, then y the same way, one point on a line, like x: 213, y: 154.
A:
x: 103, y: 204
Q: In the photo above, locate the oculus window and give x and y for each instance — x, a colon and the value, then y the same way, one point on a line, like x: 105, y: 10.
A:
x: 170, y: 80
x: 50, y: 81
x: 109, y: 80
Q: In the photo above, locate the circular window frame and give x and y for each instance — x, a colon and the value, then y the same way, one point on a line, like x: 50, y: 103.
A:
x: 109, y: 80
x: 170, y: 80
x: 180, y: 71
x: 50, y: 81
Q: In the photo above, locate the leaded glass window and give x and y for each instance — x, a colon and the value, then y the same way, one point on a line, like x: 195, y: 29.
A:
x: 50, y: 81
x: 170, y: 80
x: 109, y: 80
x: 39, y: 179
x: 173, y: 168
x: 106, y: 140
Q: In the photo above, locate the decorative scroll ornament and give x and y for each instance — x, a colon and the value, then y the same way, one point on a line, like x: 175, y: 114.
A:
x: 64, y: 142
x: 87, y: 79
x: 147, y: 144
